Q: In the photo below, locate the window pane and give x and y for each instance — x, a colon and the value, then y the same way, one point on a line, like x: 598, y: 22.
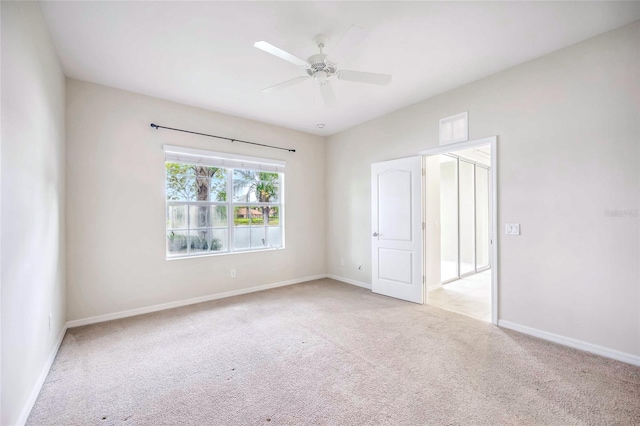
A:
x: 242, y: 216
x: 199, y: 241
x: 243, y: 191
x: 219, y: 240
x: 241, y: 238
x: 176, y: 216
x: 218, y: 216
x: 268, y: 192
x: 180, y: 184
x: 181, y: 188
x: 258, y: 237
x: 257, y: 214
x: 255, y: 186
x: 198, y: 217
x: 218, y: 189
x: 274, y: 236
x: 176, y: 243
x: 202, y: 188
x: 274, y: 215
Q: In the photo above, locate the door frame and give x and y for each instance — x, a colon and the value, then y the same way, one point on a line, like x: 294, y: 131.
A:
x: 492, y: 141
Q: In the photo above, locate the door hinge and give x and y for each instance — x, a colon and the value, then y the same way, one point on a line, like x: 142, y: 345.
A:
x: 423, y: 172
x: 423, y: 226
x: 424, y: 279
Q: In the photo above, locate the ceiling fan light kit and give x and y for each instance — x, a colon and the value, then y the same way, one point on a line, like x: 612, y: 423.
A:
x: 321, y: 69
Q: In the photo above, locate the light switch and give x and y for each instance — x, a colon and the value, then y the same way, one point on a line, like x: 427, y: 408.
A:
x: 512, y: 229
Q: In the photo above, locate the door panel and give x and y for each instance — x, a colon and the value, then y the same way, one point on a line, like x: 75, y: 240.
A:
x: 396, y: 212
x: 395, y: 265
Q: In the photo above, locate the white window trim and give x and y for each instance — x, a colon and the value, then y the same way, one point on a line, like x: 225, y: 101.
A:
x: 183, y: 155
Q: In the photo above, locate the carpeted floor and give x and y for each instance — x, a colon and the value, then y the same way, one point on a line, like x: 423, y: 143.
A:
x: 324, y: 352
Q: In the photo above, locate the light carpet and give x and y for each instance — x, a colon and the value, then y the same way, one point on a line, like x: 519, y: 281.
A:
x: 324, y: 352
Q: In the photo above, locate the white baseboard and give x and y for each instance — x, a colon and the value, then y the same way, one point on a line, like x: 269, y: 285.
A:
x: 349, y: 281
x: 573, y: 343
x: 170, y: 305
x: 26, y: 410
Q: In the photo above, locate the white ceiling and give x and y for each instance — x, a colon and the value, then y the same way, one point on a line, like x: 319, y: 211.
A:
x: 202, y: 54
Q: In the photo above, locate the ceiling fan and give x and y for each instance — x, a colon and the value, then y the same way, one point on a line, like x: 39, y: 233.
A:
x: 321, y: 69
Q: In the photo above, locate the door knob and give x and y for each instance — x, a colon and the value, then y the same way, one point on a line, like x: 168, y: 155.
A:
x: 375, y: 234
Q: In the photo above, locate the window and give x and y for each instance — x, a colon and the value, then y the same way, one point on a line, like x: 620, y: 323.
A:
x: 222, y: 203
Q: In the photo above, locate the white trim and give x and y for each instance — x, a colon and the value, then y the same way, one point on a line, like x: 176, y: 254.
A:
x: 37, y: 387
x: 349, y: 281
x: 179, y: 303
x: 180, y: 154
x: 494, y: 231
x: 493, y: 142
x: 572, y: 343
x: 459, y: 146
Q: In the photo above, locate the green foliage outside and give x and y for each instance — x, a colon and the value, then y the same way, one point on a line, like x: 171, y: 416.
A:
x: 189, y: 182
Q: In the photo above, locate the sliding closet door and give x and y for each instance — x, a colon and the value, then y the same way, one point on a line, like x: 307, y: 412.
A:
x: 449, y: 217
x: 467, y: 217
x: 482, y: 218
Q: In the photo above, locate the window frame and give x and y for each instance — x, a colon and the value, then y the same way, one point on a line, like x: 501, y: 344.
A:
x: 230, y: 205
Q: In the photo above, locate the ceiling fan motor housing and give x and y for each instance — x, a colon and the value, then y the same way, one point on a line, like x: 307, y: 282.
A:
x: 319, y: 63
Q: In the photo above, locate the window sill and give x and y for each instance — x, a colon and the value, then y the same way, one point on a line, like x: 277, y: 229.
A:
x: 226, y: 253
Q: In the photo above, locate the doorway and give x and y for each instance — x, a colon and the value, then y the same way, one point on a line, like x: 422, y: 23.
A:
x: 460, y: 228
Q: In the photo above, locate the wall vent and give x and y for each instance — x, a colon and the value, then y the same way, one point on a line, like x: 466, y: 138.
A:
x: 454, y: 128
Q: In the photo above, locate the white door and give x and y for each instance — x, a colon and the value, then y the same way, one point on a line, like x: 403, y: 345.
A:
x: 396, y: 212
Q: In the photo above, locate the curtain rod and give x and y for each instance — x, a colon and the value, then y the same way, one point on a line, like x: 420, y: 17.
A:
x: 155, y: 126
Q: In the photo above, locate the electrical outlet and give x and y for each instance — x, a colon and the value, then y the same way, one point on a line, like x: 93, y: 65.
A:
x: 233, y: 273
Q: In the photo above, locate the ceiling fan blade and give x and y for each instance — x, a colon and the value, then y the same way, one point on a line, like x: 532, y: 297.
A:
x: 328, y: 96
x: 285, y: 84
x: 365, y: 77
x: 276, y: 51
x: 349, y: 41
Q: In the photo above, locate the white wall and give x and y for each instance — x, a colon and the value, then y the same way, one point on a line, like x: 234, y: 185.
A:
x: 116, y: 203
x: 33, y: 199
x: 569, y: 131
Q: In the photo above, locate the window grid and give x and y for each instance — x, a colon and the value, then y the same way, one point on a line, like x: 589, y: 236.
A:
x: 231, y: 228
